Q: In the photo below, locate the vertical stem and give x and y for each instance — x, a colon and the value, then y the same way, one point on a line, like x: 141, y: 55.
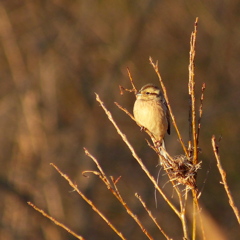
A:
x: 200, y: 111
x: 193, y: 128
x: 194, y: 221
x: 184, y: 225
x: 191, y: 89
x: 183, y: 215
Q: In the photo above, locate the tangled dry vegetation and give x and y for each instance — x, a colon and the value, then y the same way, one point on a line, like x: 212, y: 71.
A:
x: 181, y: 169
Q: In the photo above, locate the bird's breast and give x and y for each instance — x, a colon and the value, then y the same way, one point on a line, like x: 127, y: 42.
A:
x: 151, y: 115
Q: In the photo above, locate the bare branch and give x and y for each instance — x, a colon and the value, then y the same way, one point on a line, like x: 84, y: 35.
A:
x: 155, y: 66
x: 74, y: 186
x: 55, y: 221
x: 124, y: 138
x: 224, y: 179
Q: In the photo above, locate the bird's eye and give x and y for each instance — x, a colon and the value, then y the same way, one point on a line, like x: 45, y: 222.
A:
x: 147, y: 93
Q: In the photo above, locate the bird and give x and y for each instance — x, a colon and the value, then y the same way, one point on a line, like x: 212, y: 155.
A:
x: 150, y: 111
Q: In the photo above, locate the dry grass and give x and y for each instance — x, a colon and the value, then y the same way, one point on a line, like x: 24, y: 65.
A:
x: 54, y: 55
x: 181, y: 169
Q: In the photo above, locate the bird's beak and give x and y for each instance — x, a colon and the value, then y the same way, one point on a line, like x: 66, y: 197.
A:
x: 138, y: 95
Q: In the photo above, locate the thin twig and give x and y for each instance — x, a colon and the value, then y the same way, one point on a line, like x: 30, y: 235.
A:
x: 172, y: 180
x: 151, y: 216
x: 132, y: 117
x: 181, y: 216
x: 126, y: 111
x: 98, y: 166
x: 131, y: 80
x: 183, y: 205
x: 74, y: 186
x: 224, y: 179
x: 175, y: 182
x: 124, y: 138
x: 155, y: 66
x: 133, y: 89
x: 200, y: 111
x: 55, y: 221
x: 114, y: 190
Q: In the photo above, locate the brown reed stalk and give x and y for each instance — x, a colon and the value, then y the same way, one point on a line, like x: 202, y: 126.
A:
x: 181, y: 213
x: 192, y: 115
x: 171, y: 172
x: 124, y: 138
x: 131, y: 81
x: 224, y: 179
x: 200, y: 111
x: 113, y: 188
x: 194, y: 129
x: 151, y: 216
x: 189, y: 163
x: 191, y: 92
x: 74, y: 186
x: 55, y: 221
x: 155, y: 67
x: 175, y: 167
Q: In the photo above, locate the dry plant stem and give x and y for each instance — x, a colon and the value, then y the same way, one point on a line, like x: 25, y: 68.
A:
x: 191, y: 90
x: 183, y: 214
x: 99, y: 167
x: 151, y: 216
x: 155, y: 66
x: 126, y: 111
x: 131, y: 213
x: 180, y: 214
x: 224, y: 179
x: 182, y: 201
x: 55, y: 221
x: 109, y: 115
x: 200, y: 111
x: 182, y: 204
x: 131, y: 80
x: 194, y: 144
x: 133, y: 86
x: 194, y: 224
x: 74, y: 186
x: 174, y: 182
x: 197, y: 209
x: 116, y: 193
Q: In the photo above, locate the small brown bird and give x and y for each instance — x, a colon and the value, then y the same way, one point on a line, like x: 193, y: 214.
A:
x: 150, y: 110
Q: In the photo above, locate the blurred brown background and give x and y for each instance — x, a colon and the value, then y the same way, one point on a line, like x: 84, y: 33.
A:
x: 54, y: 55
